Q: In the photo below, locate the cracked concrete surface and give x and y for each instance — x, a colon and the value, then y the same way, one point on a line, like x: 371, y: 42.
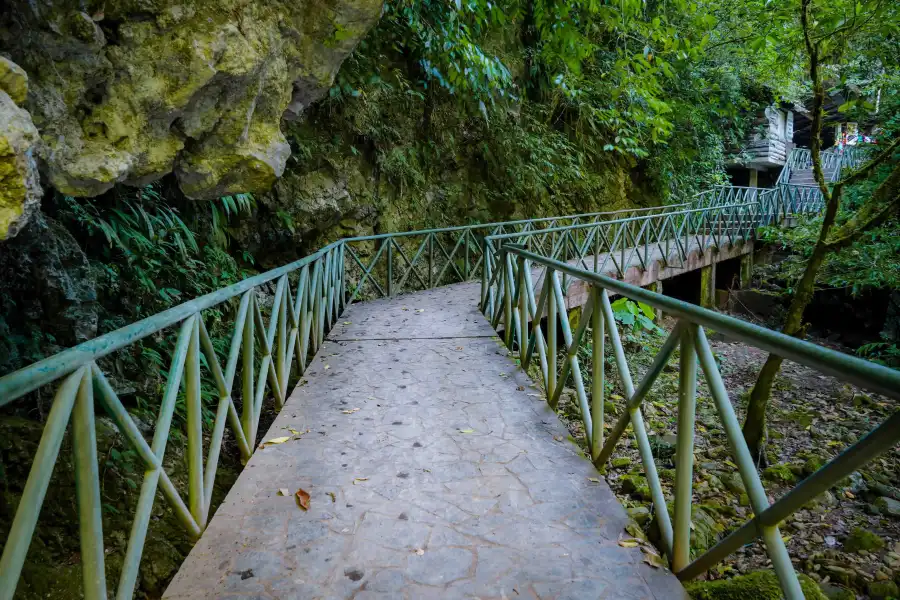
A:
x: 452, y: 480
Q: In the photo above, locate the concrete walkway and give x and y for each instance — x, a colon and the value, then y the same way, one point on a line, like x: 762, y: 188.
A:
x: 435, y: 471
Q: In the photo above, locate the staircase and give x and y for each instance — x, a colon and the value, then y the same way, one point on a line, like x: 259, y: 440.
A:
x: 806, y: 177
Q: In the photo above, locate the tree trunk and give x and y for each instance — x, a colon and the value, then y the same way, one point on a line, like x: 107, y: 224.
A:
x: 755, y: 423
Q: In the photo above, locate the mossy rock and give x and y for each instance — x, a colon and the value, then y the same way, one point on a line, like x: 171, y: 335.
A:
x: 705, y: 528
x: 883, y: 589
x: 862, y: 539
x: 734, y: 484
x: 759, y: 585
x: 620, y: 462
x: 667, y: 474
x: 834, y: 592
x: 781, y: 473
x: 813, y: 464
x: 636, y: 486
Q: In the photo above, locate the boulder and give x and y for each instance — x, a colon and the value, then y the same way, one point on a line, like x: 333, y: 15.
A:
x: 882, y: 589
x: 20, y: 190
x: 641, y: 514
x: 49, y: 280
x: 888, y: 506
x: 13, y: 80
x: 128, y: 92
x: 862, y: 539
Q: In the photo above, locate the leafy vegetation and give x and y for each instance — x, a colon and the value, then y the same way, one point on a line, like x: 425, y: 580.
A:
x: 637, y: 316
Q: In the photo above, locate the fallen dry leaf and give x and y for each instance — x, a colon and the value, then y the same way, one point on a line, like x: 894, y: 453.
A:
x: 333, y: 497
x: 629, y: 543
x: 350, y: 411
x: 593, y: 479
x: 419, y: 552
x: 521, y: 388
x: 302, y: 498
x: 420, y: 310
x: 283, y: 492
x: 360, y: 479
x: 346, y: 322
x: 278, y: 440
x: 467, y: 431
x: 657, y: 562
x: 327, y: 367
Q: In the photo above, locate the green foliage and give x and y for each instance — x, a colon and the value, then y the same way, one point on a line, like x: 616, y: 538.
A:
x: 222, y: 210
x: 147, y: 255
x: 637, y: 316
x: 436, y: 90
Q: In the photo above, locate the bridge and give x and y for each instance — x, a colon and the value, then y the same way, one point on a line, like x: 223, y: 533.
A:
x: 411, y: 455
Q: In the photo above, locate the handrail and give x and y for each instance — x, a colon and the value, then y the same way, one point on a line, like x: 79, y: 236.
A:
x: 517, y: 312
x: 310, y: 294
x: 668, y: 238
x: 417, y: 260
x: 295, y: 329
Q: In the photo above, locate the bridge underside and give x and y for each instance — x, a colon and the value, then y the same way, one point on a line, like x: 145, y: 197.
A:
x: 657, y: 268
x: 453, y: 479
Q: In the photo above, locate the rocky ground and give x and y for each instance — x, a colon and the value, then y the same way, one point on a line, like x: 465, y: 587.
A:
x: 847, y: 540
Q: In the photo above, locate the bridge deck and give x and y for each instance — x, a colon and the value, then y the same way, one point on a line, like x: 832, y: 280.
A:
x: 452, y: 480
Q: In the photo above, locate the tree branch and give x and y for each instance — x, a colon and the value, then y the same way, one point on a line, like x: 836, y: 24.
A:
x: 815, y: 144
x: 883, y: 202
x: 867, y: 168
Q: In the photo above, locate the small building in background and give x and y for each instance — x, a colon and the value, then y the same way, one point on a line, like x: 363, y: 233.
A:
x: 759, y: 162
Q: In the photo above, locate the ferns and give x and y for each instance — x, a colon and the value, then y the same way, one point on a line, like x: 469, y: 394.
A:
x: 223, y: 209
x: 136, y: 227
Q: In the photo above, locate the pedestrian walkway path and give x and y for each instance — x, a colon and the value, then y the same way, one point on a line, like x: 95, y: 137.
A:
x: 435, y: 470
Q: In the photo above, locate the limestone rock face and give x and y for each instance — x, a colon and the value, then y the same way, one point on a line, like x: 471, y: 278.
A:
x: 48, y: 277
x: 130, y: 90
x: 20, y: 190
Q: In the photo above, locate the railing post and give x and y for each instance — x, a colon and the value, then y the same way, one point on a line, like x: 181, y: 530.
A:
x: 523, y: 310
x: 431, y: 260
x: 390, y: 267
x: 509, y: 286
x: 684, y: 450
x: 87, y: 489
x: 248, y: 374
x: 466, y: 234
x: 597, y: 374
x: 194, y: 424
x: 552, y: 310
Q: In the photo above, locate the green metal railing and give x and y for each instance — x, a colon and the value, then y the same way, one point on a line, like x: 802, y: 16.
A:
x: 637, y: 242
x: 518, y: 313
x: 308, y: 296
x: 384, y: 265
x: 279, y: 320
x: 792, y: 198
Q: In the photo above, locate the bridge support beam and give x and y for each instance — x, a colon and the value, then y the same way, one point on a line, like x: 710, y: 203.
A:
x: 708, y: 286
x: 657, y: 287
x: 746, y: 272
